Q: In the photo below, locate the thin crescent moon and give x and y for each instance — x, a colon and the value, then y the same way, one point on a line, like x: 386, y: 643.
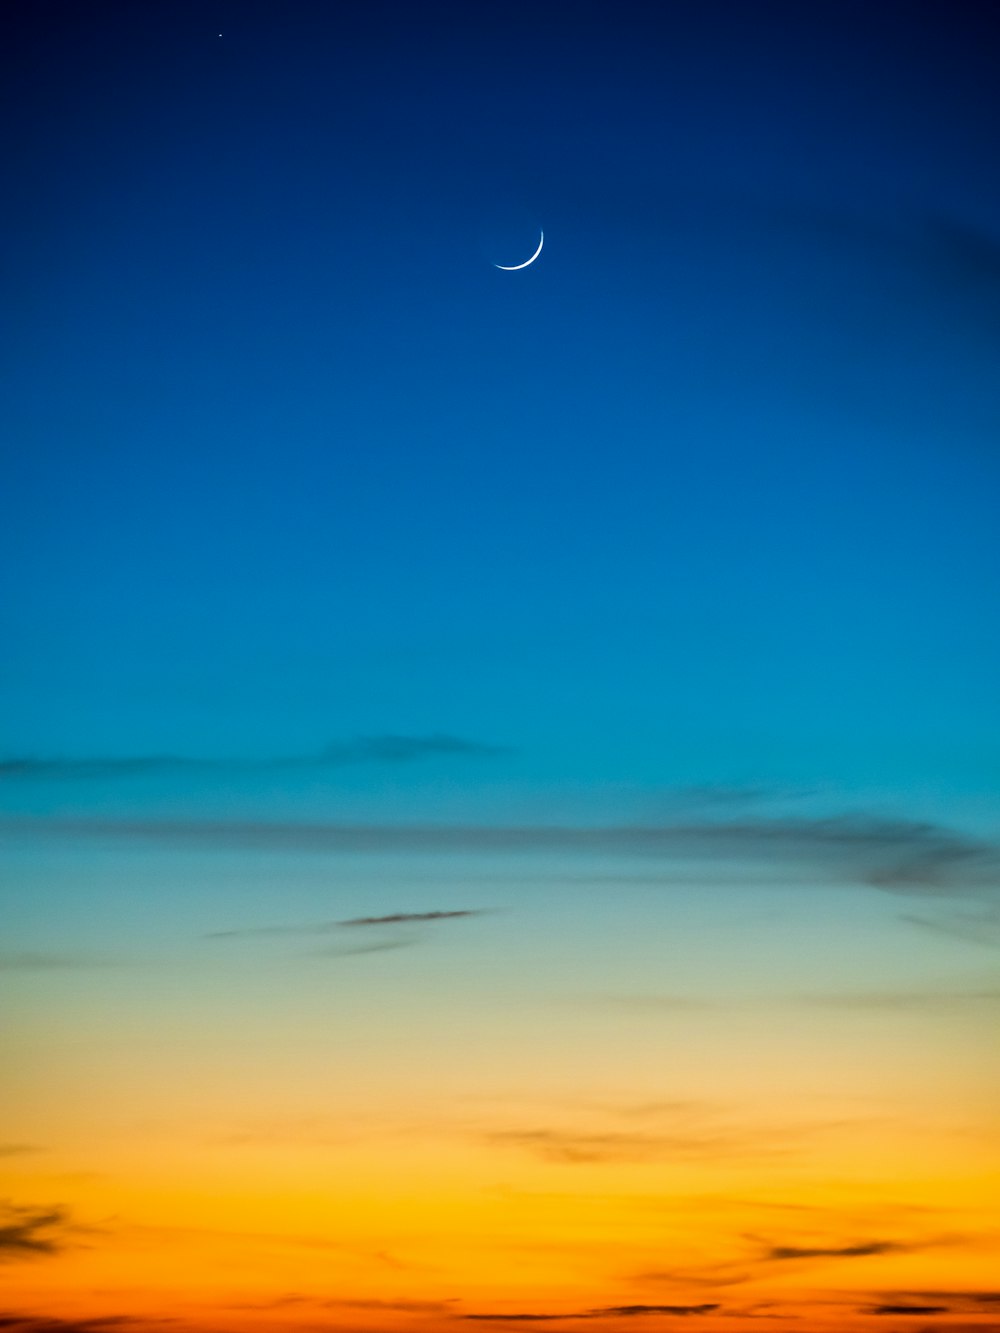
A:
x: 512, y: 268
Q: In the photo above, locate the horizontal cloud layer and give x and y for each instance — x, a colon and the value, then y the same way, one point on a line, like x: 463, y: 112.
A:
x: 387, y: 749
x: 898, y: 856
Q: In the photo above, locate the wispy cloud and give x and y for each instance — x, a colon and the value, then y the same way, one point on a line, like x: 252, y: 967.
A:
x: 981, y: 927
x: 322, y: 1303
x: 968, y: 260
x: 603, y: 1312
x: 572, y: 1147
x: 401, y: 918
x: 402, y: 1306
x: 385, y: 749
x: 330, y: 927
x: 357, y: 950
x: 18, y: 1149
x: 856, y: 1250
x: 937, y: 1302
x: 14, y: 1322
x: 27, y: 1231
x: 563, y: 1146
x: 897, y: 856
x: 906, y: 1309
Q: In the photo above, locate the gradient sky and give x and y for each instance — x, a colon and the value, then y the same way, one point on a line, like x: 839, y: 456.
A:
x: 499, y: 769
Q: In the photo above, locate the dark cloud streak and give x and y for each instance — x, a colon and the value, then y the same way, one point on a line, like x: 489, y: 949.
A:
x: 331, y: 927
x: 405, y: 918
x: 388, y: 749
x: 907, y: 1309
x: 14, y: 1322
x: 28, y: 1231
x: 897, y: 856
x: 859, y: 1250
x: 603, y: 1312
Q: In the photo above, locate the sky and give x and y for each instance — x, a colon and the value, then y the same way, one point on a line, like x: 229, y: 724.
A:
x: 498, y: 769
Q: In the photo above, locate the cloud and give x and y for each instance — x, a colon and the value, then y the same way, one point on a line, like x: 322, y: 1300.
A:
x: 381, y: 946
x: 520, y: 1318
x: 570, y: 1147
x: 329, y: 927
x: 628, y: 1311
x: 402, y: 1307
x: 28, y: 1323
x: 397, y: 918
x: 907, y: 1309
x: 386, y: 749
x: 982, y: 928
x: 604, y: 1312
x: 897, y: 856
x: 938, y: 1302
x: 566, y: 1147
x: 18, y: 1149
x: 859, y: 1250
x: 968, y: 259
x: 318, y: 1302
x: 254, y: 932
x: 29, y: 1231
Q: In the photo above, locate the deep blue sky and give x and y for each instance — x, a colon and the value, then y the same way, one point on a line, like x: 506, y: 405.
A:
x: 707, y: 493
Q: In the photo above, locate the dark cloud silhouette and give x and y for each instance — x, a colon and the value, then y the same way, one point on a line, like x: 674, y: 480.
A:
x: 629, y: 1310
x: 28, y: 1323
x: 860, y: 1250
x: 897, y: 856
x: 906, y: 1309
x: 397, y: 918
x: 927, y: 1302
x: 29, y: 1231
x: 388, y: 749
x: 603, y: 1312
x: 520, y: 1318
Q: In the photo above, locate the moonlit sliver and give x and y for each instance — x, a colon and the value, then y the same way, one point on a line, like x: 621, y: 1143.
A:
x: 511, y: 268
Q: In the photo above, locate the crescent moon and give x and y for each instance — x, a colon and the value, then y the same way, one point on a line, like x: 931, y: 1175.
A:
x: 512, y: 268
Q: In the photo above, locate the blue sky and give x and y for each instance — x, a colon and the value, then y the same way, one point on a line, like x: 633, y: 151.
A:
x: 707, y: 493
